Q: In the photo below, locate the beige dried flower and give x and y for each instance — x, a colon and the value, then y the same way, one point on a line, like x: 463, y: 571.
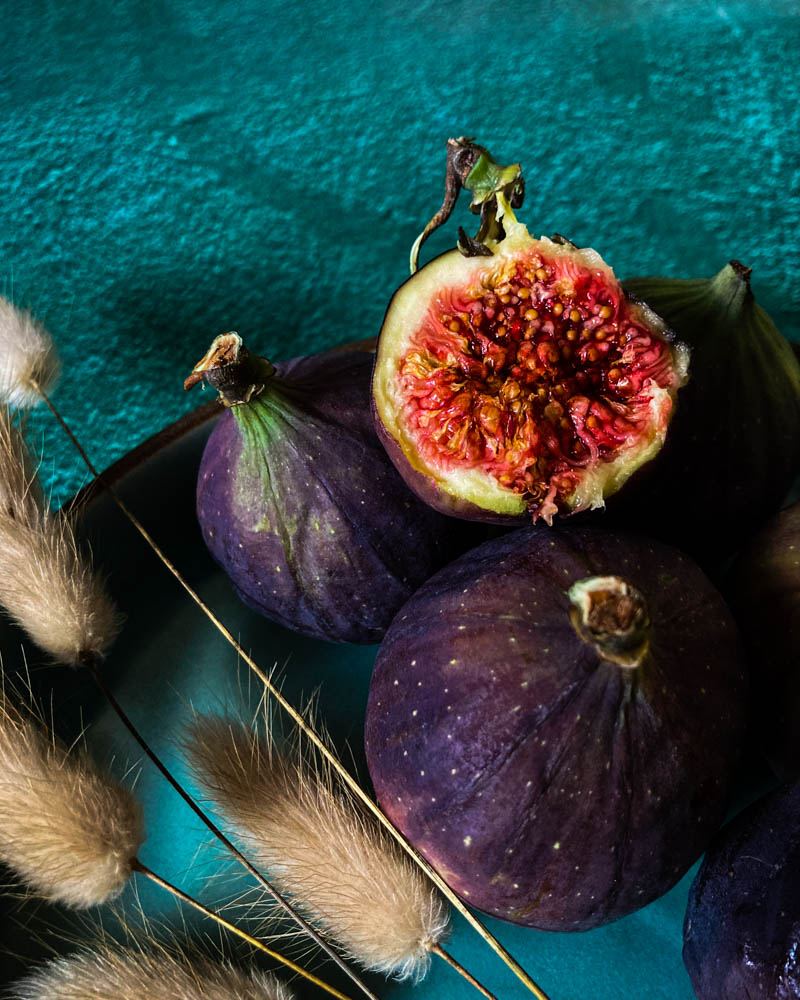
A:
x: 68, y: 830
x: 27, y: 353
x: 320, y: 847
x: 119, y: 975
x: 47, y: 583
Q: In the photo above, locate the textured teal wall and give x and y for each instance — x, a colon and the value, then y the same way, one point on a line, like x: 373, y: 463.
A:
x: 170, y: 170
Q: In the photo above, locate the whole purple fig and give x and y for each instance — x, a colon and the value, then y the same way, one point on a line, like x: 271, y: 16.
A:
x: 553, y: 720
x: 742, y: 928
x: 298, y: 502
x: 734, y: 446
x: 764, y: 589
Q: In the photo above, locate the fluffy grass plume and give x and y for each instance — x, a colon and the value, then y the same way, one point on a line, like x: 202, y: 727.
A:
x: 119, y: 975
x: 27, y: 352
x: 321, y: 848
x: 47, y: 584
x: 68, y: 830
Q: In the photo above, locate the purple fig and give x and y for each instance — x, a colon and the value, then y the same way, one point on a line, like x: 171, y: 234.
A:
x: 553, y: 720
x: 734, y: 445
x: 764, y: 589
x: 742, y: 928
x: 298, y: 502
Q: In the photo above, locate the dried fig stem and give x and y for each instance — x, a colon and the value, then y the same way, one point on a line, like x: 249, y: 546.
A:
x: 472, y: 167
x: 301, y: 723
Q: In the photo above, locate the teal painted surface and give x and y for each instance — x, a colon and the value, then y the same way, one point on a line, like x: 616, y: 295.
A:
x: 171, y: 170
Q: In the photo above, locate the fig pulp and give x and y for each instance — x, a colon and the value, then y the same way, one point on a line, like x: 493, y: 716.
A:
x: 298, y: 502
x: 742, y: 928
x: 521, y: 380
x: 734, y: 447
x: 552, y: 721
x: 764, y: 588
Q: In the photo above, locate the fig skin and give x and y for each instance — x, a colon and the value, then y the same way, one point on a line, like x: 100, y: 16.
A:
x: 300, y: 506
x: 742, y: 924
x: 550, y: 786
x: 733, y: 448
x: 764, y: 592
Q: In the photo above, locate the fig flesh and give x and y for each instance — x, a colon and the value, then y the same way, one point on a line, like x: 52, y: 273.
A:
x: 520, y: 379
x: 742, y: 928
x: 298, y: 503
x: 734, y: 446
x: 553, y: 719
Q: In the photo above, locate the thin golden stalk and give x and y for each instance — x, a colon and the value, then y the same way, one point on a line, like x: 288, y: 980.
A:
x: 298, y: 719
x: 142, y: 869
x: 437, y: 949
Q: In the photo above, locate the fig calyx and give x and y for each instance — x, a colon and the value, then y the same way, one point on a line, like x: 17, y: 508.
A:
x: 525, y: 382
x: 298, y: 502
x: 734, y: 446
x: 232, y: 370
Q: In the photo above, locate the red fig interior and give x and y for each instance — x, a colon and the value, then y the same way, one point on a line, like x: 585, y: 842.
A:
x: 530, y: 375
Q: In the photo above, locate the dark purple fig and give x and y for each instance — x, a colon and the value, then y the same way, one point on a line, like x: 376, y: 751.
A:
x: 764, y: 590
x: 553, y: 719
x: 513, y: 377
x: 734, y: 445
x: 742, y: 928
x: 298, y: 502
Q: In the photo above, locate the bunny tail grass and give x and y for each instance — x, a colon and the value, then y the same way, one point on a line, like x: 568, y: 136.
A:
x: 27, y: 356
x: 68, y: 830
x: 51, y: 590
x: 47, y: 584
x: 321, y: 848
x: 120, y: 975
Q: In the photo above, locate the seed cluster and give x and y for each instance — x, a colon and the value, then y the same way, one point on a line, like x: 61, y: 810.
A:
x: 532, y: 377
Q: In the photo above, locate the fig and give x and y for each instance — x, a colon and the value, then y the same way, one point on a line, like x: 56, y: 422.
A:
x: 553, y: 719
x: 742, y: 927
x: 764, y: 588
x: 734, y: 446
x: 514, y: 376
x: 298, y: 502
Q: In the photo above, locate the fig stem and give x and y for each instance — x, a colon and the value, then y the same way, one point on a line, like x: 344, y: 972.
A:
x: 227, y: 366
x: 173, y: 890
x: 611, y: 615
x: 91, y: 663
x: 305, y: 727
x: 472, y: 167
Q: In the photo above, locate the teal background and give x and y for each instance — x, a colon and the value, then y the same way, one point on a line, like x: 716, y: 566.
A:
x: 171, y: 170
x: 176, y: 168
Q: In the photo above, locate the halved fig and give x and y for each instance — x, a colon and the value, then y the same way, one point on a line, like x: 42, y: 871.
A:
x: 513, y: 375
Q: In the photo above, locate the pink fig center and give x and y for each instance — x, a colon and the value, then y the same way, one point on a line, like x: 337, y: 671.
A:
x: 540, y: 373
